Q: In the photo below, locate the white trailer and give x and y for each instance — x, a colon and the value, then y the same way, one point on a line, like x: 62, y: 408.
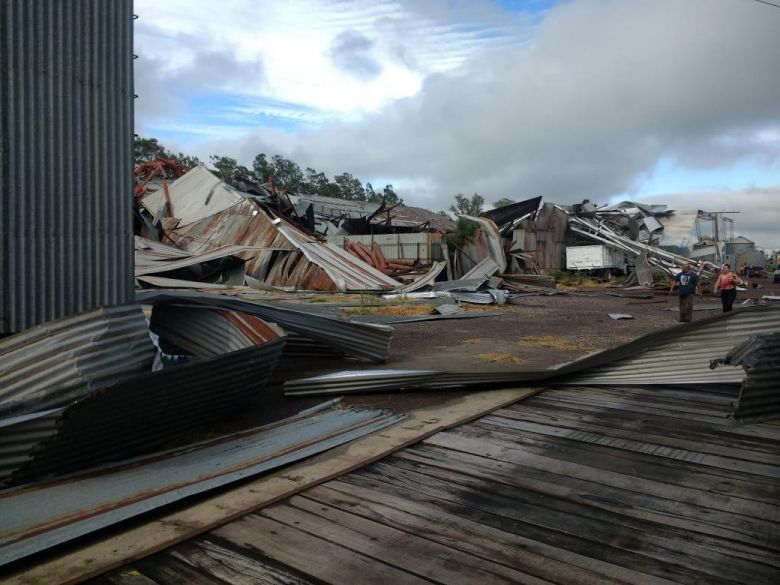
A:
x: 597, y: 257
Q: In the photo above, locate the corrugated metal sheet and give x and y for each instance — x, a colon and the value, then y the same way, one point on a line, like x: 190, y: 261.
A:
x: 363, y: 340
x: 678, y: 356
x: 682, y: 355
x: 513, y: 211
x: 151, y: 264
x: 66, y: 138
x: 37, y: 518
x: 403, y: 215
x: 495, y: 246
x: 54, y: 363
x: 154, y: 251
x: 487, y: 267
x: 544, y: 237
x: 194, y: 196
x: 206, y: 332
x: 759, y: 397
x: 164, y: 282
x: 289, y: 257
x: 347, y: 272
x: 426, y: 279
x: 144, y: 413
x: 20, y: 434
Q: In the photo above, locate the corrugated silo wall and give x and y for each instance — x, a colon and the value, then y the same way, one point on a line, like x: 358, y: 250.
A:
x: 66, y: 132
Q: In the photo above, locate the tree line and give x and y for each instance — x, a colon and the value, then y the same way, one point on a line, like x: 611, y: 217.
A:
x: 288, y: 175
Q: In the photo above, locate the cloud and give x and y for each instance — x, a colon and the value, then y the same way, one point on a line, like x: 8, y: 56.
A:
x: 352, y: 51
x: 162, y: 89
x: 606, y: 89
x: 349, y: 56
x: 468, y: 101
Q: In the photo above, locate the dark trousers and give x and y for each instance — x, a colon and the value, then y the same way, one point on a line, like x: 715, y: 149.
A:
x: 727, y: 297
x: 686, y: 308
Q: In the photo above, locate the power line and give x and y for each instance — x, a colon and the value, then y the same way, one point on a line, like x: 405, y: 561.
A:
x: 767, y: 3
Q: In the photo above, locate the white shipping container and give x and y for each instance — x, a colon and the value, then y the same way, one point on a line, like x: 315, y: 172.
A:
x: 593, y: 258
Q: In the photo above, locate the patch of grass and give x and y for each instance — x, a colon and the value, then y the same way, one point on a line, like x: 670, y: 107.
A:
x: 473, y: 341
x: 499, y: 358
x: 394, y: 310
x: 554, y: 342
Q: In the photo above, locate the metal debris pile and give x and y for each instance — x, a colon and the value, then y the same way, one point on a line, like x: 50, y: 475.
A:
x: 271, y: 240
x: 636, y: 230
x: 107, y: 385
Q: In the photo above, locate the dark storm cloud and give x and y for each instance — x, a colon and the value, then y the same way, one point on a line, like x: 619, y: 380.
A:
x: 351, y: 51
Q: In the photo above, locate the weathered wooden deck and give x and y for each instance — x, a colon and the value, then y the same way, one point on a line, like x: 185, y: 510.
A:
x: 575, y: 485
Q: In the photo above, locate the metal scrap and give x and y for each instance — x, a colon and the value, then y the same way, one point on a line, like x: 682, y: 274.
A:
x: 232, y: 357
x: 36, y: 518
x: 759, y: 395
x: 363, y: 340
x: 54, y: 363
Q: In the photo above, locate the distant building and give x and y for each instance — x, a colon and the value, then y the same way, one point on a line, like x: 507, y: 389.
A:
x: 741, y: 251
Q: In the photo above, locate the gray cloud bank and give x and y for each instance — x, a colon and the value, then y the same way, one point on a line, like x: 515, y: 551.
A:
x: 605, y: 90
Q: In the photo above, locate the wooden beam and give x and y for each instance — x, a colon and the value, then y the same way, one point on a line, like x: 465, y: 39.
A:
x: 135, y: 542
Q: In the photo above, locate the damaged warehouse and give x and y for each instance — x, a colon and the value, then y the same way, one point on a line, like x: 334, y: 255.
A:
x: 211, y: 381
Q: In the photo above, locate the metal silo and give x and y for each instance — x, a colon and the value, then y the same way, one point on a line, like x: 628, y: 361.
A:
x: 66, y: 131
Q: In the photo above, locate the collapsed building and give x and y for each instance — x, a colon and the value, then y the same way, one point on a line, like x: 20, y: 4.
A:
x: 263, y: 237
x: 286, y: 241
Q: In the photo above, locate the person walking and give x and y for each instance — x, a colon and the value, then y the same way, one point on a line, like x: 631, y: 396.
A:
x: 687, y: 283
x: 726, y: 283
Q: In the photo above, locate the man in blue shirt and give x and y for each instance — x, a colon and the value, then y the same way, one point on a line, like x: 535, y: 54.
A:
x: 687, y: 284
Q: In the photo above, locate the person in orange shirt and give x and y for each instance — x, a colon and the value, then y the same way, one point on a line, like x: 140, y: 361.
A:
x: 726, y: 283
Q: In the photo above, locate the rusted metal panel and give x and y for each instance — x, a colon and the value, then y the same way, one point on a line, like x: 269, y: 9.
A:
x: 371, y: 342
x: 66, y: 177
x: 287, y: 257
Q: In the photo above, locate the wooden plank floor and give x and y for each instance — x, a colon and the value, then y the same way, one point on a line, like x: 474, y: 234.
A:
x: 574, y: 485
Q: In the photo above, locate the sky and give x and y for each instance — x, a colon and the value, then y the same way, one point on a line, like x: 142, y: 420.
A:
x: 669, y: 101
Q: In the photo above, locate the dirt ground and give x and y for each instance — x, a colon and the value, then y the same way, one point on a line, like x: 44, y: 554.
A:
x: 538, y: 332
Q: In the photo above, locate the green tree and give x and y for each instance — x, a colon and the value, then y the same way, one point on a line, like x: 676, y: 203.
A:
x: 314, y: 181
x: 148, y: 149
x: 372, y: 195
x: 287, y: 174
x: 351, y: 188
x: 187, y: 160
x: 468, y: 206
x: 502, y: 202
x: 228, y: 169
x: 262, y: 168
x: 390, y: 196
